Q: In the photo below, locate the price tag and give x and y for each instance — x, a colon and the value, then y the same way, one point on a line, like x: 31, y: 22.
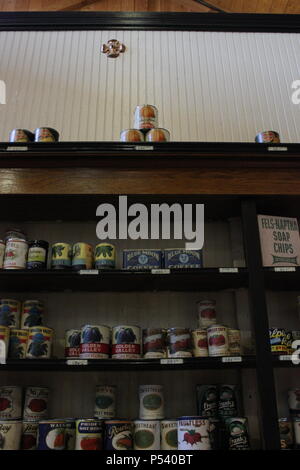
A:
x: 142, y: 147
x: 17, y: 149
x: 232, y: 359
x: 277, y: 149
x: 285, y: 357
x: 285, y: 269
x: 89, y: 271
x: 171, y: 361
x: 160, y: 271
x: 228, y: 270
x: 2, y: 352
x: 77, y: 362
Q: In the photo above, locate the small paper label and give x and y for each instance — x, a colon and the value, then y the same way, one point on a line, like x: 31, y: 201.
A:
x: 277, y: 149
x: 89, y: 271
x: 17, y: 149
x: 2, y: 352
x: 171, y: 361
x: 160, y: 271
x: 228, y: 270
x: 232, y: 359
x: 77, y: 362
x: 285, y: 357
x: 285, y: 269
x: 142, y: 147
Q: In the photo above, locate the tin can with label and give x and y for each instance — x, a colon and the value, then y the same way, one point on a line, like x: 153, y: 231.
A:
x: 89, y: 434
x: 61, y: 257
x: 95, y: 342
x: 32, y: 313
x: 2, y: 252
x: 83, y: 257
x: 179, y: 258
x: 193, y: 433
x: 234, y: 342
x: 154, y: 343
x: 17, y: 344
x: 286, y: 433
x: 4, y: 336
x: 21, y: 135
x: 294, y: 400
x: 207, y: 400
x: 228, y: 404
x: 46, y: 134
x: 39, y: 344
x: 146, y: 435
x: 105, y: 401
x: 151, y: 402
x: 168, y: 430
x: 10, y: 402
x: 126, y: 342
x: 217, y: 337
x: 278, y: 340
x: 10, y: 310
x: 72, y: 344
x: 267, y: 137
x: 296, y: 428
x: 105, y: 256
x: 179, y: 342
x: 145, y: 117
x: 36, y: 403
x: 10, y: 435
x: 118, y: 434
x: 51, y: 435
x: 37, y: 254
x: 158, y: 134
x: 142, y: 260
x: 200, y: 345
x: 70, y: 433
x: 15, y: 254
x: 237, y: 432
x: 131, y: 135
x: 29, y: 435
x: 207, y: 315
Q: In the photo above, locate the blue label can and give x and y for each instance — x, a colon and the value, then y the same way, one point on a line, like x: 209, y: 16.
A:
x: 51, y: 435
x: 118, y: 434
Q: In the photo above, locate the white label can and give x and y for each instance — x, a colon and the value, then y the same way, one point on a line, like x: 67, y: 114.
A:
x: 151, y: 402
x: 179, y: 342
x: 193, y: 433
x: 169, y: 434
x: 146, y: 435
x: 105, y: 401
x: 2, y: 251
x: 294, y: 399
x: 10, y: 435
x: 4, y: 336
x: 89, y: 434
x: 200, y: 346
x: 36, y: 404
x: 206, y: 313
x: 15, y: 254
x: 10, y: 402
x: 217, y: 337
x: 234, y: 342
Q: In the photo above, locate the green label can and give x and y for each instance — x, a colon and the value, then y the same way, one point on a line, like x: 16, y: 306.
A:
x: 237, y: 431
x: 151, y: 402
x: 83, y: 257
x: 228, y: 401
x: 17, y: 343
x: 105, y: 401
x: 61, y: 255
x: 207, y: 400
x: 146, y: 435
x: 105, y: 256
x: 169, y: 434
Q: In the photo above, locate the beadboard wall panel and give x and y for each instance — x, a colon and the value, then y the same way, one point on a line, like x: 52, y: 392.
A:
x: 207, y: 86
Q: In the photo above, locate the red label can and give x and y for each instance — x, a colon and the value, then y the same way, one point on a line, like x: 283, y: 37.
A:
x: 95, y: 342
x: 126, y: 342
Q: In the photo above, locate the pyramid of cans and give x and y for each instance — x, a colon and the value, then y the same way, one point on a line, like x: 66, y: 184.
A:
x: 145, y: 126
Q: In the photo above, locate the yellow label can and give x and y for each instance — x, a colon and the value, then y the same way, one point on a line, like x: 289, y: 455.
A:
x: 105, y: 256
x: 61, y: 257
x: 83, y: 256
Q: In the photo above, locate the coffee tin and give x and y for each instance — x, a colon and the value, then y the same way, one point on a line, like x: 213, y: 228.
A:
x: 158, y: 134
x: 10, y: 310
x: 237, y: 432
x: 29, y: 435
x: 95, y: 342
x: 51, y: 435
x: 2, y: 252
x: 32, y: 313
x: 267, y: 137
x: 36, y: 403
x: 234, y: 342
x: 207, y: 400
x: 296, y: 428
x: 39, y: 344
x: 131, y: 135
x: 217, y: 340
x: 206, y: 313
x: 17, y: 343
x: 286, y: 433
x: 151, y: 402
x: 179, y: 342
x: 178, y: 258
x: 89, y: 434
x: 296, y: 337
x: 21, y: 135
x: 118, y: 434
x: 105, y: 256
x: 61, y: 257
x: 168, y: 431
x: 278, y: 340
x: 193, y: 433
x: 126, y: 342
x: 82, y: 256
x: 46, y: 134
x: 146, y: 435
x: 15, y: 254
x: 228, y: 404
x: 294, y: 400
x: 105, y: 401
x: 72, y: 343
x: 145, y: 117
x: 142, y: 260
x: 4, y: 336
x: 154, y: 343
x: 10, y: 402
x: 70, y: 433
x: 10, y: 435
x: 200, y: 346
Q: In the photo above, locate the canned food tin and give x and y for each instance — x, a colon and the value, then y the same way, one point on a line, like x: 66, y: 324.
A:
x: 10, y: 402
x: 179, y: 258
x: 37, y: 254
x: 207, y: 400
x: 83, y: 257
x: 70, y: 433
x: 10, y: 435
x: 237, y: 431
x: 267, y: 137
x: 39, y: 344
x: 29, y: 435
x: 10, y: 310
x: 126, y: 342
x: 154, y: 343
x: 142, y: 260
x: 51, y: 434
x: 206, y: 313
x: 61, y: 257
x: 15, y: 254
x: 193, y: 433
x: 158, y: 134
x: 228, y: 401
x: 168, y: 431
x: 131, y: 135
x: 200, y: 346
x: 286, y: 433
x: 88, y: 434
x: 105, y: 256
x: 234, y: 342
x: 15, y: 232
x: 95, y: 342
x: 145, y: 117
x: 72, y: 343
x: 46, y: 134
x: 32, y: 313
x: 2, y: 252
x: 105, y: 401
x: 278, y: 340
x: 151, y: 402
x: 179, y: 342
x: 36, y: 403
x: 296, y: 427
x: 146, y: 435
x: 4, y: 336
x: 17, y: 343
x: 217, y: 340
x: 118, y: 434
x: 21, y: 135
x: 294, y: 400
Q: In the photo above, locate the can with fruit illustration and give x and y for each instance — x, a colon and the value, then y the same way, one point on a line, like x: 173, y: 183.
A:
x: 46, y: 134
x: 10, y: 310
x: 228, y: 401
x: 29, y: 435
x: 126, y: 342
x: 39, y: 343
x: 200, y: 345
x: 237, y: 433
x: 154, y: 343
x: 179, y: 342
x: 105, y: 401
x: 286, y: 433
x: 36, y: 403
x: 105, y: 256
x: 4, y: 336
x: 118, y: 434
x: 278, y: 340
x: 151, y: 402
x: 217, y: 338
x: 61, y: 256
x: 95, y: 342
x: 131, y: 135
x: 168, y: 431
x: 267, y: 137
x: 193, y: 433
x: 294, y: 400
x: 21, y: 135
x: 32, y: 313
x: 15, y: 254
x: 234, y: 342
x: 146, y: 435
x: 82, y: 256
x: 158, y: 134
x: 17, y: 343
x: 10, y: 402
x: 89, y: 434
x: 72, y: 343
x: 145, y: 116
x: 70, y: 433
x: 10, y: 435
x: 206, y: 313
x: 2, y: 252
x: 51, y: 435
x: 207, y: 400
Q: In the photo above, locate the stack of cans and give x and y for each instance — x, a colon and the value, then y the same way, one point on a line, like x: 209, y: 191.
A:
x: 145, y: 126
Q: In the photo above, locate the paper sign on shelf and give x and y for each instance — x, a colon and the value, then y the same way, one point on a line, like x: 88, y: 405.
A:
x: 285, y: 357
x: 89, y: 271
x: 142, y: 147
x: 277, y: 149
x: 285, y: 269
x: 171, y: 361
x: 2, y: 352
x: 232, y: 359
x: 17, y: 149
x: 77, y: 362
x: 228, y: 270
x: 160, y: 271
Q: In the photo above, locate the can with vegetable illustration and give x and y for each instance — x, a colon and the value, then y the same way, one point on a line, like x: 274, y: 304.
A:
x: 51, y: 434
x: 32, y: 313
x: 21, y: 135
x: 72, y: 343
x: 10, y: 310
x: 118, y: 434
x: 146, y: 435
x: 17, y: 343
x: 89, y: 434
x: 228, y: 401
x: 70, y: 433
x: 82, y: 256
x: 234, y: 342
x: 10, y: 402
x: 95, y: 342
x: 217, y: 340
x: 168, y: 430
x: 296, y: 428
x: 193, y: 433
x: 36, y: 403
x: 39, y: 345
x: 206, y: 313
x: 179, y: 342
x: 105, y: 401
x: 61, y: 257
x: 2, y: 252
x: 200, y: 345
x: 131, y: 135
x: 46, y: 134
x: 154, y: 343
x: 157, y: 134
x: 207, y: 400
x: 286, y: 433
x: 151, y: 402
x: 10, y: 435
x: 126, y: 342
x: 37, y: 254
x: 294, y: 400
x: 105, y: 256
x: 29, y: 435
x: 4, y: 336
x: 237, y: 433
x: 278, y: 340
x: 15, y: 254
x: 145, y: 116
x: 267, y: 137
